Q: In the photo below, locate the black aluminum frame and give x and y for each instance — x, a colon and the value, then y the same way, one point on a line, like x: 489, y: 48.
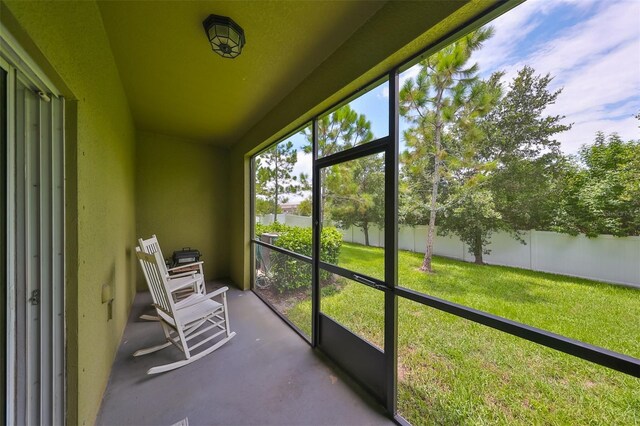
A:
x: 315, y: 240
x: 391, y: 246
x: 390, y: 145
x: 605, y: 357
x: 386, y: 390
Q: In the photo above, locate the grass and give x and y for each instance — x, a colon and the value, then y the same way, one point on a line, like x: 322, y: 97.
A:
x: 453, y: 371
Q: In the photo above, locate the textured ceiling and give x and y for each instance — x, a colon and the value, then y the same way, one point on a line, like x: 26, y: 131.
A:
x: 177, y: 86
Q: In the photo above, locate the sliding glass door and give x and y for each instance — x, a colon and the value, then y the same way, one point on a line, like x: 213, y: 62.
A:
x: 32, y: 245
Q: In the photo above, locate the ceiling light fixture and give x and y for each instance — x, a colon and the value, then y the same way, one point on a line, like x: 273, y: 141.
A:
x: 226, y: 37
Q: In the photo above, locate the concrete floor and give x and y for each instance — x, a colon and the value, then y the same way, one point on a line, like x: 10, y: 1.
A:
x: 266, y: 375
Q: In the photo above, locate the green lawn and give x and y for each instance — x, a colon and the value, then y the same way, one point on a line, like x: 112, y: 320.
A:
x: 453, y: 371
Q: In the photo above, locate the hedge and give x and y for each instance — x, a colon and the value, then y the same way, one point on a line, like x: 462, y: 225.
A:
x: 288, y: 273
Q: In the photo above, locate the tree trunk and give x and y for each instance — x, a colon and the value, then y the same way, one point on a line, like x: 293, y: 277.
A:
x: 477, y: 250
x: 323, y: 182
x: 426, y: 263
x: 366, y: 235
x: 275, y: 200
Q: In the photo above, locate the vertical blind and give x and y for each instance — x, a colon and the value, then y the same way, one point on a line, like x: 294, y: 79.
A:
x: 36, y: 170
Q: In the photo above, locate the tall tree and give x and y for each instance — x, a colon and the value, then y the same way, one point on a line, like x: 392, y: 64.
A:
x: 518, y: 128
x: 473, y: 217
x: 518, y: 167
x: 355, y: 193
x: 351, y: 193
x: 305, y: 208
x: 274, y: 176
x: 520, y: 138
x: 263, y: 206
x: 446, y: 90
x: 602, y: 195
x: 342, y: 129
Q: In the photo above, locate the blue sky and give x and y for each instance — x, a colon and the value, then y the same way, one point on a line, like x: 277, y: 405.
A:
x: 590, y: 47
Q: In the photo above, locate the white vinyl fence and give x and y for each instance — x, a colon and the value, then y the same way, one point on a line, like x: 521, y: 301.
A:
x: 605, y: 258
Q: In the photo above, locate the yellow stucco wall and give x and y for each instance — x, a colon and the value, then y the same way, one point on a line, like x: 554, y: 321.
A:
x: 182, y: 191
x: 397, y: 32
x: 100, y: 210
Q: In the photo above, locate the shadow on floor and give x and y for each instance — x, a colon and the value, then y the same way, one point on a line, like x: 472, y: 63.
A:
x: 266, y: 375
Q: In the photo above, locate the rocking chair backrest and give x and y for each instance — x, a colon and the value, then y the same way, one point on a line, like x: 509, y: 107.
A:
x: 152, y: 246
x: 147, y: 270
x: 156, y: 280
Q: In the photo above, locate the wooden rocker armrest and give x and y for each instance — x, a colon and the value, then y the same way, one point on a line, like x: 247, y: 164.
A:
x: 187, y: 265
x: 217, y: 292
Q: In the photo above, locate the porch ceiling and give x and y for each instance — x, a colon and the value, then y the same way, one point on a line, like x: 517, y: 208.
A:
x: 176, y: 85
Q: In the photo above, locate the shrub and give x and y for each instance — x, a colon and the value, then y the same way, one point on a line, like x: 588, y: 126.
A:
x: 275, y: 228
x: 289, y: 273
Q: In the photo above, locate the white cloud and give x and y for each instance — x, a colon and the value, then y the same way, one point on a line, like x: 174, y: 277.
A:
x: 602, y: 80
x: 585, y: 132
x: 296, y: 198
x: 513, y: 28
x: 596, y: 62
x: 304, y: 164
x: 510, y: 30
x: 582, y: 43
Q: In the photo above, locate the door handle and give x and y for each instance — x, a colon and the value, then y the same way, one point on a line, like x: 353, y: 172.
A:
x: 369, y: 282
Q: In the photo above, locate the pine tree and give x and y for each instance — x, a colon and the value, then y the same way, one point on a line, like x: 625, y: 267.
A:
x: 274, y: 175
x: 342, y: 129
x: 355, y: 193
x: 447, y: 90
x: 352, y: 193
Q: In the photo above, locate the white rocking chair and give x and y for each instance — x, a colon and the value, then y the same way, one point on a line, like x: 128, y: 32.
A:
x: 185, y: 320
x: 151, y: 245
x: 181, y: 284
